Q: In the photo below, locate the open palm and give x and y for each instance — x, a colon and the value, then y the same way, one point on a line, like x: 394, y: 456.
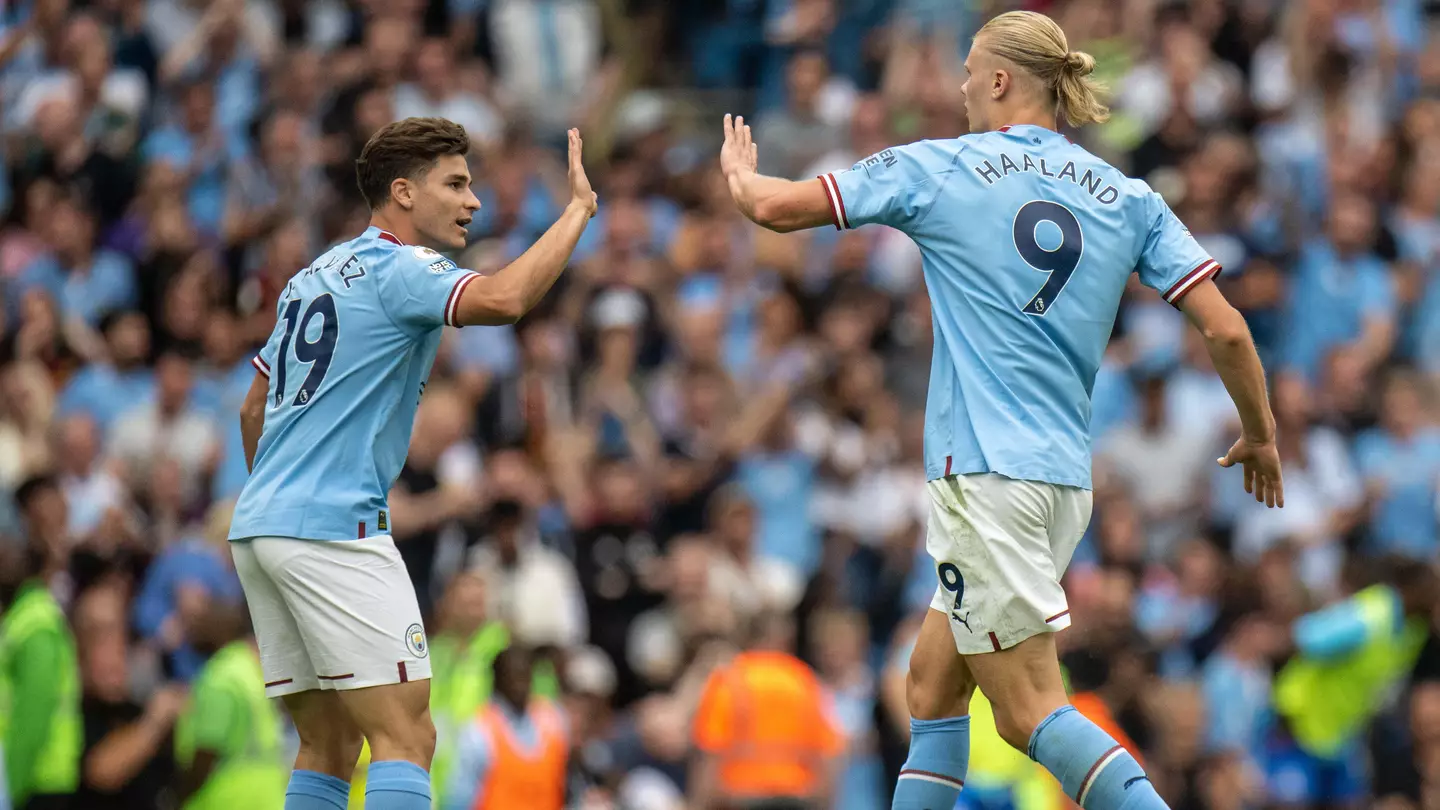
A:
x: 738, y: 152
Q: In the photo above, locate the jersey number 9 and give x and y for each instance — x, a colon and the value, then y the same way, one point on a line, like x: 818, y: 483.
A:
x: 952, y: 581
x: 1059, y: 261
x: 316, y: 353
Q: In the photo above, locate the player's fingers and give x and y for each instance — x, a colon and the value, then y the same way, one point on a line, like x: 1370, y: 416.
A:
x: 749, y: 139
x: 729, y: 127
x: 1280, y: 492
x: 1270, y: 494
x: 1249, y: 476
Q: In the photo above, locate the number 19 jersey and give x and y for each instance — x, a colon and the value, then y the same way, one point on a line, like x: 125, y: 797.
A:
x: 354, y: 340
x: 1027, y: 242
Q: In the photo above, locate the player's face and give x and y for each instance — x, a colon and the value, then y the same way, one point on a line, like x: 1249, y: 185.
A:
x: 976, y: 89
x: 444, y: 203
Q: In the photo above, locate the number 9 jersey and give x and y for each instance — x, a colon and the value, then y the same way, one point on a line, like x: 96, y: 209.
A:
x: 1027, y: 242
x: 355, y: 336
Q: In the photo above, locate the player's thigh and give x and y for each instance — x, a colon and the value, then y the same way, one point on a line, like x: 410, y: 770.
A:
x: 395, y: 718
x: 998, y: 579
x: 1023, y: 683
x: 939, y: 683
x: 330, y: 741
x: 355, y: 607
x: 283, y: 656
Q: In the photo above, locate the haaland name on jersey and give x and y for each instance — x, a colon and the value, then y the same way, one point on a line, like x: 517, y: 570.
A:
x: 1090, y: 181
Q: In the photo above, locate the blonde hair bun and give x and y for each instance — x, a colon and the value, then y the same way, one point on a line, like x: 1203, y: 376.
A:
x: 1080, y: 63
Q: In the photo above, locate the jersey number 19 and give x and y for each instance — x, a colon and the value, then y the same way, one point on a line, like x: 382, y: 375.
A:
x: 316, y: 353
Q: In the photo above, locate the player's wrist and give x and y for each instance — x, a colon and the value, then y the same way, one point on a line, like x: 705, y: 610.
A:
x: 1260, y: 437
x: 586, y: 207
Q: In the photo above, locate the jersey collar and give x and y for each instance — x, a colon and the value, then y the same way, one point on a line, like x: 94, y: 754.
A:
x: 1046, y: 131
x: 383, y: 235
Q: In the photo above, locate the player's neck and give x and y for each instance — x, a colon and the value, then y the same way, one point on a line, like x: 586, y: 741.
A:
x: 397, y: 226
x: 1027, y: 118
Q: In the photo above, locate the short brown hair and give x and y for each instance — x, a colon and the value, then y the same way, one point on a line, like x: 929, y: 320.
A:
x: 407, y: 148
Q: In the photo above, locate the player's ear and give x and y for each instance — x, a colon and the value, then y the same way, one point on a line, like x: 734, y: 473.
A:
x: 999, y: 84
x: 403, y: 191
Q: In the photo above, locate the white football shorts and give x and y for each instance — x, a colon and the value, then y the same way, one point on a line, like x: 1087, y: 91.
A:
x: 1000, y: 548
x: 332, y: 614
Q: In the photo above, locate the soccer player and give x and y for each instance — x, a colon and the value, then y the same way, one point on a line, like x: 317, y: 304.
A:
x: 1027, y: 242
x: 326, y: 425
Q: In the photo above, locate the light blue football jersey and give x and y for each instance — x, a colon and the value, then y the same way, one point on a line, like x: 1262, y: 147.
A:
x: 355, y: 337
x: 1027, y: 242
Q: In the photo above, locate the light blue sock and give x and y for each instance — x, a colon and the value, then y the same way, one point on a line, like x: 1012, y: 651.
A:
x: 934, y: 771
x: 396, y: 785
x: 1094, y: 769
x: 312, y: 790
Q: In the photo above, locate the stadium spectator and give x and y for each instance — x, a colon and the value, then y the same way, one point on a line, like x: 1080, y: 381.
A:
x: 1347, y: 656
x: 516, y: 749
x: 764, y: 729
x: 44, y: 728
x: 170, y: 428
x: 1400, y: 461
x: 229, y: 743
x: 573, y: 75
x: 199, y: 147
x: 800, y: 133
x: 187, y: 575
x: 436, y: 93
x: 1344, y: 295
x: 1161, y: 461
x: 85, y: 281
x: 536, y: 591
x: 128, y: 760
x: 437, y: 490
x: 463, y: 647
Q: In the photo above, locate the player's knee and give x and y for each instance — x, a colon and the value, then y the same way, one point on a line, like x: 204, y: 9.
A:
x: 1017, y: 722
x: 412, y: 742
x: 932, y: 698
x: 334, y: 751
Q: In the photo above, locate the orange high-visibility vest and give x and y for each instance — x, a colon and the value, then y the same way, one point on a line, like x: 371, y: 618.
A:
x: 766, y: 718
x: 532, y: 778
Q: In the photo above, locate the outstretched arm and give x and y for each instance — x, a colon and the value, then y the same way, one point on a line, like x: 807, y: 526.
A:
x: 516, y: 289
x: 780, y: 205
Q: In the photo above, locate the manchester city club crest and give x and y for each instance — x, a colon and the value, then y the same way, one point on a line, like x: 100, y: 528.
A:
x: 415, y: 641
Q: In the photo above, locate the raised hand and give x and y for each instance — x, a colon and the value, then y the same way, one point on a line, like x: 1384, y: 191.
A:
x: 739, y: 152
x: 1261, y: 462
x: 580, y: 191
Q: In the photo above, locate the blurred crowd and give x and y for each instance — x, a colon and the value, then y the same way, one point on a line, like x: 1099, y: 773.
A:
x: 707, y: 439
